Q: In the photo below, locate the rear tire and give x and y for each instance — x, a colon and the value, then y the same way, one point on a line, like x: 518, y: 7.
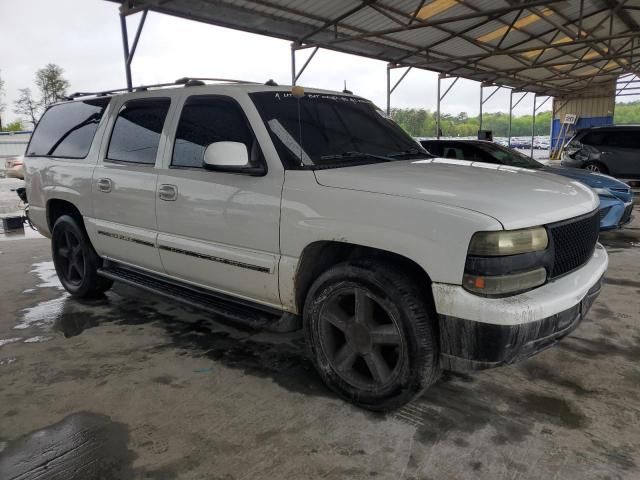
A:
x: 371, y: 335
x: 595, y: 167
x: 75, y: 260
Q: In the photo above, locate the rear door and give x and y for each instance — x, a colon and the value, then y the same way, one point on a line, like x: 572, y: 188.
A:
x: 124, y: 184
x: 628, y: 149
x: 219, y: 229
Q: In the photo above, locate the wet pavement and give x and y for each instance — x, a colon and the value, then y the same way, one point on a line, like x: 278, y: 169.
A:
x: 132, y: 386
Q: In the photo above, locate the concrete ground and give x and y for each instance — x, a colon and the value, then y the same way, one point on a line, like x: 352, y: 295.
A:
x: 132, y: 386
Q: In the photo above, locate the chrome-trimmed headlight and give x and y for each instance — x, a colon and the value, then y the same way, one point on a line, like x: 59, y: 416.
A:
x: 508, y: 242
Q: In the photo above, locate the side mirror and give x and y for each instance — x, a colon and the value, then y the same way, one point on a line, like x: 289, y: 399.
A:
x: 226, y: 156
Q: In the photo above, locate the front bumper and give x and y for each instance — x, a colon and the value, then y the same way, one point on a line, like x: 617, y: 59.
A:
x: 478, y: 332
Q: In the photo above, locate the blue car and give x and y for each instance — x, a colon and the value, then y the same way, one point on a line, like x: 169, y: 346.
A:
x: 616, y: 197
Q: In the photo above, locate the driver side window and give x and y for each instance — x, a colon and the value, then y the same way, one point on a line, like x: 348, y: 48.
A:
x: 209, y: 119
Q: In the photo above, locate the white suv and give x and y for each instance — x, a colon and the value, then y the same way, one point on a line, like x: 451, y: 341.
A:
x: 287, y: 209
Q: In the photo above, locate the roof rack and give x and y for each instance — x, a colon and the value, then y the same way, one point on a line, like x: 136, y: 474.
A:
x: 186, y: 81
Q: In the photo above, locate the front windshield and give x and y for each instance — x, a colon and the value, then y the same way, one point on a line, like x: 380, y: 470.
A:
x: 509, y: 156
x: 324, y: 130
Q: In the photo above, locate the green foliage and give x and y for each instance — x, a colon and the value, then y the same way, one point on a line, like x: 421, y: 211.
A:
x: 16, y: 126
x: 422, y: 123
x: 627, y: 113
x: 52, y: 85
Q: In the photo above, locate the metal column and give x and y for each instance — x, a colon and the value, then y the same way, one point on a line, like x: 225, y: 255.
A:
x: 481, y: 104
x: 438, y: 111
x: 391, y: 89
x: 485, y: 100
x: 125, y: 46
x: 129, y: 53
x: 294, y: 74
x: 440, y: 98
x: 511, y: 107
x: 533, y: 121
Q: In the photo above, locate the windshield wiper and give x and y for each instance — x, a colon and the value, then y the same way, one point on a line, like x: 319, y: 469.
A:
x: 354, y: 154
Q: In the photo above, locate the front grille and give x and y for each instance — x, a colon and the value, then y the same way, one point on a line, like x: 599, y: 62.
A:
x: 573, y: 242
x: 626, y: 216
x: 604, y: 212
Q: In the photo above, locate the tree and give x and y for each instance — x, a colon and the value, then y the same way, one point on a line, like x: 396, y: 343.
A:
x: 27, y: 106
x: 14, y: 126
x: 52, y: 85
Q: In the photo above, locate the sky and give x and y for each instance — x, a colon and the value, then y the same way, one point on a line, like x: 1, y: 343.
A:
x: 83, y: 37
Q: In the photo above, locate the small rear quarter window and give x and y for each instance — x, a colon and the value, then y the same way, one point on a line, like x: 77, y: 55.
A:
x: 67, y: 129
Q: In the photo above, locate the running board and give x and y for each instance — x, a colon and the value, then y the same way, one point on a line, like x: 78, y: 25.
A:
x: 233, y: 309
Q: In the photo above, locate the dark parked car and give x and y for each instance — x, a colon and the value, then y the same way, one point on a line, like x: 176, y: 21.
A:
x: 614, y: 150
x: 616, y: 197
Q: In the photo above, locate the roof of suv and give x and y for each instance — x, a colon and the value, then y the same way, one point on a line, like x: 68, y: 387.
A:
x: 248, y: 87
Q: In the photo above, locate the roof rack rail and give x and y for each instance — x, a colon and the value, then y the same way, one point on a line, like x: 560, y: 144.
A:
x: 186, y: 81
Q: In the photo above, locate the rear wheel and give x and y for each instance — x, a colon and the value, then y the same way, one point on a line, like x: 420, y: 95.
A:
x: 595, y: 167
x: 371, y: 336
x: 75, y: 260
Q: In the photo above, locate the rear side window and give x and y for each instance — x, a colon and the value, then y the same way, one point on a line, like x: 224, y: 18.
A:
x: 67, y: 130
x: 205, y: 120
x: 136, y: 132
x: 593, y: 138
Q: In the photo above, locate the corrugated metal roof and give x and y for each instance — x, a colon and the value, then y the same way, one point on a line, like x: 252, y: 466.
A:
x: 553, y: 47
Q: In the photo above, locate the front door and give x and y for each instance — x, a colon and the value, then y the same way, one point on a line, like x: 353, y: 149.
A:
x: 218, y: 229
x: 125, y: 183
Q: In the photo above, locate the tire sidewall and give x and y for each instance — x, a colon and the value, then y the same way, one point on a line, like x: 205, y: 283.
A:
x: 409, y: 379
x: 89, y: 275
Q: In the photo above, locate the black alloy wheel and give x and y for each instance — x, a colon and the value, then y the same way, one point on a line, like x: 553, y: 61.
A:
x: 75, y: 259
x: 361, y: 338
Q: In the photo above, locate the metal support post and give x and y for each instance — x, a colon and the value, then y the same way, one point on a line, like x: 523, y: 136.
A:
x: 391, y: 89
x: 481, y: 104
x: 125, y: 46
x: 510, y: 118
x: 293, y: 65
x: 388, y: 90
x: 296, y: 75
x: 129, y: 53
x: 438, y: 111
x: 533, y: 121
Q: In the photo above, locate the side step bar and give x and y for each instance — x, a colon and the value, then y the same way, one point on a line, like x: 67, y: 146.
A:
x: 233, y: 309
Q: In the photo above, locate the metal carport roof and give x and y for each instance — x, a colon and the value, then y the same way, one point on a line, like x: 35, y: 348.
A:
x: 551, y: 47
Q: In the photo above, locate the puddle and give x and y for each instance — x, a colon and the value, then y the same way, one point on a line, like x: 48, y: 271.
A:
x: 42, y: 314
x: 7, y: 361
x: 46, y: 272
x: 38, y: 339
x: 83, y: 446
x: 6, y: 341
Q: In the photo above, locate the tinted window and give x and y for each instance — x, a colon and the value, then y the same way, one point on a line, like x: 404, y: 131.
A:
x: 622, y: 139
x: 136, y: 133
x: 593, y: 138
x: 205, y: 120
x: 328, y: 131
x: 434, y: 148
x: 67, y: 130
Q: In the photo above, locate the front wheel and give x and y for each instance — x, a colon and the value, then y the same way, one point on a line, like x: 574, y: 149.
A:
x: 595, y: 167
x: 75, y: 260
x: 371, y: 335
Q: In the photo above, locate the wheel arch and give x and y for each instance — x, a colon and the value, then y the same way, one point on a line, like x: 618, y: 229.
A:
x: 56, y: 207
x: 319, y: 256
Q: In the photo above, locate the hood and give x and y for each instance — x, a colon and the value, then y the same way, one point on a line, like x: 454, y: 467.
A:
x: 593, y: 180
x: 516, y: 197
